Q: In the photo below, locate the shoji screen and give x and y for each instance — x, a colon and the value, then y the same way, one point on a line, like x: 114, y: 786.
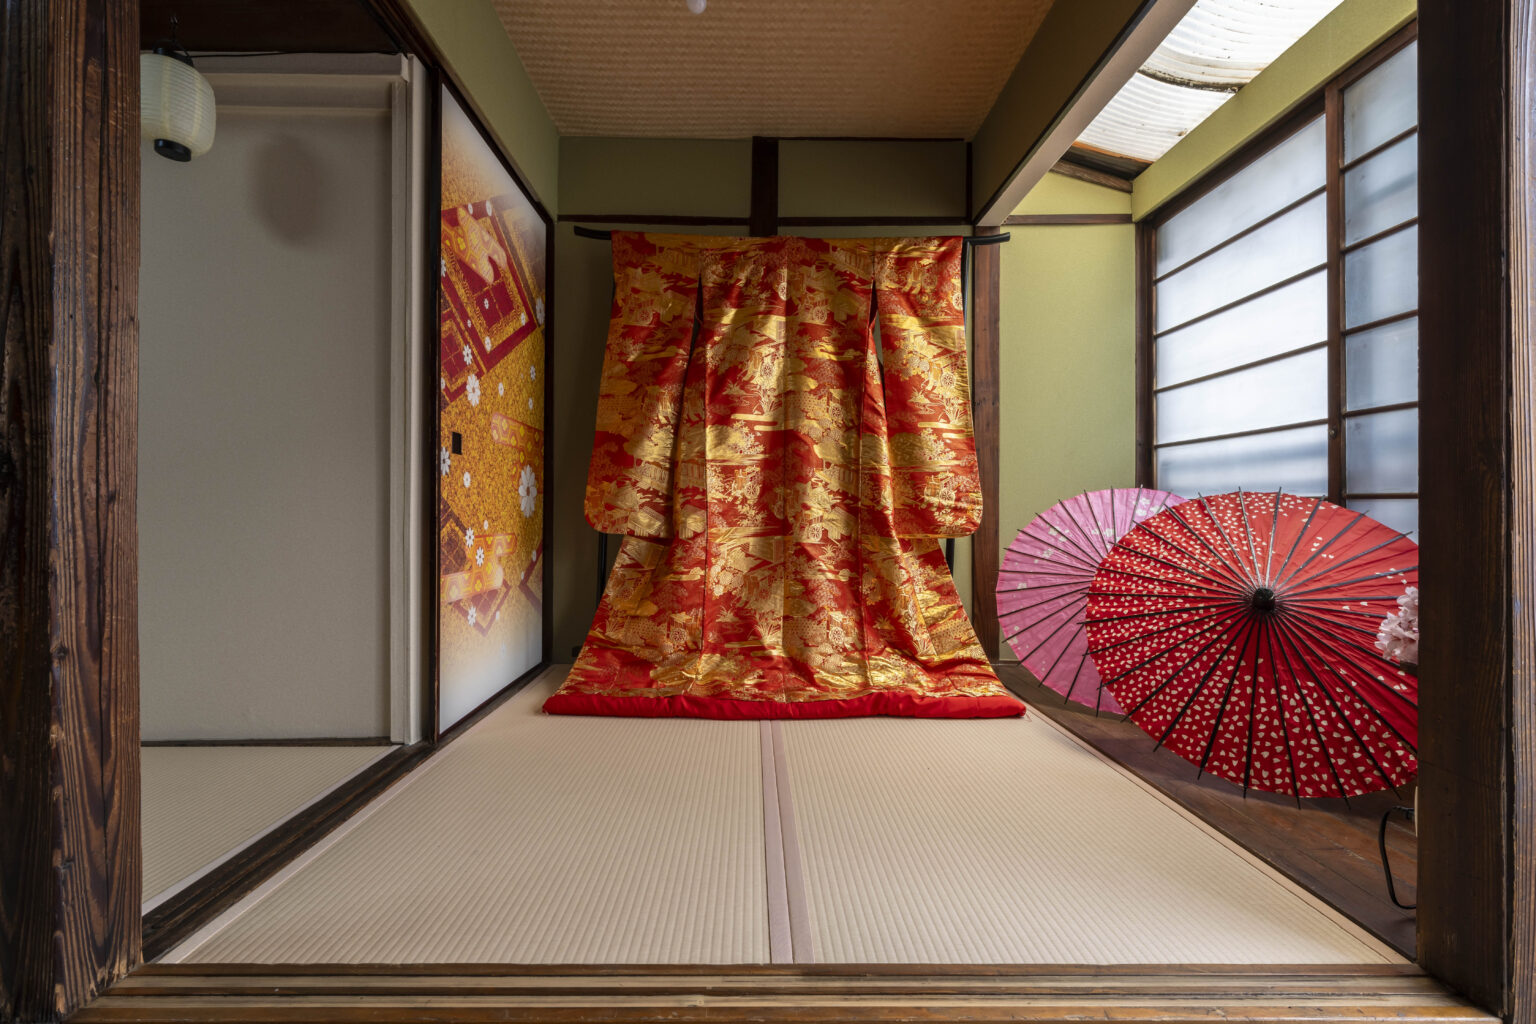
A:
x: 1381, y: 292
x: 1259, y: 380
x: 1241, y: 329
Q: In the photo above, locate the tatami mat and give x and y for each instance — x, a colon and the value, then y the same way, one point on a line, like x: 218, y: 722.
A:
x: 535, y: 839
x: 1008, y: 841
x: 565, y: 839
x: 201, y: 804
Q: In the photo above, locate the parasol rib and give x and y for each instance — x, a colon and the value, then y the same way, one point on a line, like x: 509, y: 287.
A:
x: 1193, y: 697
x: 1358, y: 579
x: 1213, y: 567
x: 1335, y: 566
x: 1288, y: 635
x: 1169, y: 650
x: 1359, y: 517
x: 1285, y: 726
x: 1306, y: 525
x: 1317, y: 730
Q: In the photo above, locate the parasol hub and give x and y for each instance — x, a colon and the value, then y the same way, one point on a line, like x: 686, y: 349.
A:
x: 1262, y: 600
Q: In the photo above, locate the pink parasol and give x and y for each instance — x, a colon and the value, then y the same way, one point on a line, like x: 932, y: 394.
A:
x: 1042, y: 587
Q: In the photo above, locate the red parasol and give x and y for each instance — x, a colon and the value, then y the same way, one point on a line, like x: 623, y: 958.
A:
x: 1239, y: 630
x: 1043, y: 585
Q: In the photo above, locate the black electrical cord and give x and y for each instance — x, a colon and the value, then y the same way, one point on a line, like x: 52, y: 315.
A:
x: 1386, y: 866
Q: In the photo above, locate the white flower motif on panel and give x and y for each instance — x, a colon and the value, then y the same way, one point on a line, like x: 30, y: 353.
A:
x: 469, y: 353
x: 479, y: 556
x: 472, y: 390
x: 466, y: 478
x: 471, y: 615
x: 445, y: 460
x: 528, y: 491
x: 469, y: 537
x: 501, y: 388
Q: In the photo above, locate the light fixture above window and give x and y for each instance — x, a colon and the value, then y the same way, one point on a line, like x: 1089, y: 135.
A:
x: 176, y: 106
x: 1218, y: 47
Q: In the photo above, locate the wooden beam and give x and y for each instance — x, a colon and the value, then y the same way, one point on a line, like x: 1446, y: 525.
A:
x: 69, y: 727
x: 1477, y: 376
x: 764, y: 219
x: 1077, y: 60
x: 1037, y: 220
x: 1068, y: 169
x: 986, y: 551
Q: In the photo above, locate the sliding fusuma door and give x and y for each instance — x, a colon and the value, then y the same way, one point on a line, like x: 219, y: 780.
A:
x: 490, y: 400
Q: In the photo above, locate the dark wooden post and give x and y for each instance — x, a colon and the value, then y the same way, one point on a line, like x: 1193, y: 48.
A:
x: 764, y: 220
x: 69, y: 732
x: 1477, y: 791
x: 986, y: 326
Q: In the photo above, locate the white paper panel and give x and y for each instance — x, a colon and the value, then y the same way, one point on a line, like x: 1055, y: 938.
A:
x: 1280, y: 249
x: 1398, y: 513
x: 1382, y: 192
x: 1381, y: 452
x: 1383, y: 103
x: 1292, y: 460
x: 1382, y: 278
x: 1381, y: 366
x: 1279, y: 177
x: 1290, y: 390
x: 1287, y: 318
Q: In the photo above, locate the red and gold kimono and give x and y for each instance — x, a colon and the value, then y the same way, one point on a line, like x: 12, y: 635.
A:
x: 783, y: 437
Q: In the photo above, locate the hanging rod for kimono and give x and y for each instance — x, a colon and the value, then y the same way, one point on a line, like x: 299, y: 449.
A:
x: 582, y: 232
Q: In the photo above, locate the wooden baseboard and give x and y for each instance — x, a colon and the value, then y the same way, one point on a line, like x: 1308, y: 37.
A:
x: 735, y: 995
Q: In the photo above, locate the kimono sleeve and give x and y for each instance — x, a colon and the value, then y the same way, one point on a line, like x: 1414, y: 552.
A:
x: 630, y: 480
x: 936, y: 485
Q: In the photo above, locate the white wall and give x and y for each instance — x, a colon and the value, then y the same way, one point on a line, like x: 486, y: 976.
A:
x: 264, y: 411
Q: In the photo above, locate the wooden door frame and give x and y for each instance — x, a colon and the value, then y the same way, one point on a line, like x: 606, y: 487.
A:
x: 69, y: 874
x: 1477, y: 459
x: 69, y: 687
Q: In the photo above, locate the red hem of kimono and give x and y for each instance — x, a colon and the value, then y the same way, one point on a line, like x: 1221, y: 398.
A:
x: 907, y: 705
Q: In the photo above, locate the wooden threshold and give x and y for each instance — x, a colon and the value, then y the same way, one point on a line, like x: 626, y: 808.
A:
x: 730, y: 994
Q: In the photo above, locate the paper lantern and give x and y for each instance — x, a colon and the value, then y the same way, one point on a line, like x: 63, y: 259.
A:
x: 175, y: 106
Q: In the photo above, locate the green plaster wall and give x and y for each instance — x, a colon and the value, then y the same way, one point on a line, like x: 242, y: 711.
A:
x: 1346, y: 35
x: 484, y: 64
x: 673, y: 177
x: 1067, y: 360
x: 859, y: 179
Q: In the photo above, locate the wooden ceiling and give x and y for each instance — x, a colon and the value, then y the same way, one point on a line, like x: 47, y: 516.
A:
x: 852, y: 68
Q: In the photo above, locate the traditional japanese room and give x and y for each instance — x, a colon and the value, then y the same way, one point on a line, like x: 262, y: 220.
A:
x: 918, y: 518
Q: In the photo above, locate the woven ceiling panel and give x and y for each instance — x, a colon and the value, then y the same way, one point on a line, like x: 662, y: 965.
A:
x: 898, y: 68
